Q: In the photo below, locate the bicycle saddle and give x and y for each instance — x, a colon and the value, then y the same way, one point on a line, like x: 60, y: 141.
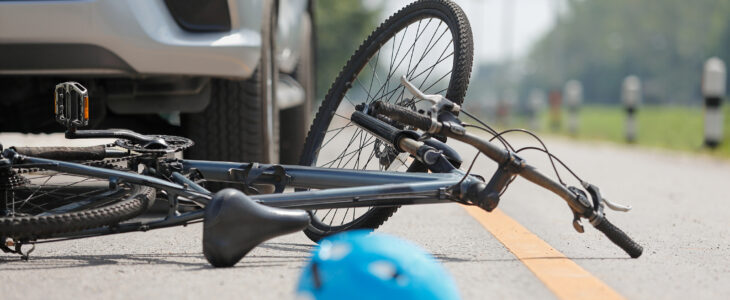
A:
x: 234, y: 224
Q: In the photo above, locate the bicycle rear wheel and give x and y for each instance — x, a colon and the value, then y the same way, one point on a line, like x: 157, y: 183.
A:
x: 36, y: 202
x: 429, y: 42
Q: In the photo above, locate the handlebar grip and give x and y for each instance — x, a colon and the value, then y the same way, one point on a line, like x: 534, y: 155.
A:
x: 620, y: 238
x: 376, y: 126
x: 403, y: 115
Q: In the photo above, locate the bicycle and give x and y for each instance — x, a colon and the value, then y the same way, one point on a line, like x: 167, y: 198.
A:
x: 59, y: 193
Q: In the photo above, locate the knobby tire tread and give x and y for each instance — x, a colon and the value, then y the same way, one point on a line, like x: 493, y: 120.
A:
x: 48, y: 226
x: 232, y: 114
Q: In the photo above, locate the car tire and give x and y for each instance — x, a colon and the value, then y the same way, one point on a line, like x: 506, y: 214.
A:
x: 241, y: 123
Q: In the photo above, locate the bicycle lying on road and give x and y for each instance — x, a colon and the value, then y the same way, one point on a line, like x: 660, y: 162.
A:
x: 370, y: 150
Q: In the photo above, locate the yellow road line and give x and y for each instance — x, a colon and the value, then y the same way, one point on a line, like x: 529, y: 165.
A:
x: 561, y: 275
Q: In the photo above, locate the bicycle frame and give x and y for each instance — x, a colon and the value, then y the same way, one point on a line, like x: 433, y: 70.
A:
x: 340, y: 188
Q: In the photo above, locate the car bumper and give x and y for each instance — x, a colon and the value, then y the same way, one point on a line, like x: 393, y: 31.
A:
x: 134, y: 37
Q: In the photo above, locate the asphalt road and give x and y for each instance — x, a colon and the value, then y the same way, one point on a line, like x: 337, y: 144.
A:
x: 680, y: 216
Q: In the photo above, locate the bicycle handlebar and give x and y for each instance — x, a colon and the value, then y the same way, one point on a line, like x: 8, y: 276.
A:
x: 407, y: 116
x: 376, y: 127
x: 619, y: 237
x: 501, y: 156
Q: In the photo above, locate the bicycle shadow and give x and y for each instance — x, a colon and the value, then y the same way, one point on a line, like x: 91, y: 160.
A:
x: 276, y: 255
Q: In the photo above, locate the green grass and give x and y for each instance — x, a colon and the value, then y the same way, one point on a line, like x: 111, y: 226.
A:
x: 669, y: 127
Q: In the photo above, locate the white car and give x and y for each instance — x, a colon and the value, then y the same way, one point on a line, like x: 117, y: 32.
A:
x: 234, y: 71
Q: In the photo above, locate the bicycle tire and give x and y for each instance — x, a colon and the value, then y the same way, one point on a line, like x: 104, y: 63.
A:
x: 41, y: 203
x: 457, y: 24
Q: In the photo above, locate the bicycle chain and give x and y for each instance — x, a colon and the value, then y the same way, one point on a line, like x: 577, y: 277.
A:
x: 107, y: 163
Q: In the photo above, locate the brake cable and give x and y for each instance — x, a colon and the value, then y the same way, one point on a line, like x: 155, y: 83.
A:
x: 556, y: 158
x: 545, y: 150
x: 489, y: 130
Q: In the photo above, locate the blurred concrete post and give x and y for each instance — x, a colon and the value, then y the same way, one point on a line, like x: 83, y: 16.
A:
x: 573, y: 92
x: 713, y: 90
x: 555, y: 99
x: 631, y: 96
x: 535, y: 105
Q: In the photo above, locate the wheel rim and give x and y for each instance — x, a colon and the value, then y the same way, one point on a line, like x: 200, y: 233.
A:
x: 423, y: 51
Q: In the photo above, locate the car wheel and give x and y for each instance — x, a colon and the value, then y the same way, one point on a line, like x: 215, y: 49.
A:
x: 241, y: 123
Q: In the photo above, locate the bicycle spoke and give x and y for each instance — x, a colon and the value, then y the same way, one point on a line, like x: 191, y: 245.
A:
x: 438, y: 80
x: 333, y: 137
x: 349, y: 101
x: 428, y: 47
x: 429, y: 69
x: 358, y: 151
x: 357, y: 161
x: 340, y: 128
x: 344, y: 154
x: 341, y: 116
x: 432, y: 68
x: 391, y: 70
x: 327, y: 214
x: 333, y: 217
x: 344, y: 215
x: 375, y: 73
x: 46, y: 193
x: 352, y: 139
x: 39, y: 187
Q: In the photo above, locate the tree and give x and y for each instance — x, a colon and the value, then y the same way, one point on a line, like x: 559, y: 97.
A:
x: 664, y: 42
x: 341, y: 27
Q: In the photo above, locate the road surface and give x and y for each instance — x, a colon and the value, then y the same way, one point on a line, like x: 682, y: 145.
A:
x: 680, y: 215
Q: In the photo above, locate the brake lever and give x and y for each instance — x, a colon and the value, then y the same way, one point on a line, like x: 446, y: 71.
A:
x: 593, y: 190
x: 583, y: 199
x: 577, y: 224
x: 615, y: 206
x: 439, y: 102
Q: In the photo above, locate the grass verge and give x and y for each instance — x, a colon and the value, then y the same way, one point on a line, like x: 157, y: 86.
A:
x: 669, y: 127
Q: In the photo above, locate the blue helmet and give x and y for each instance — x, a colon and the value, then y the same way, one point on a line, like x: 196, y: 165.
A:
x: 359, y: 265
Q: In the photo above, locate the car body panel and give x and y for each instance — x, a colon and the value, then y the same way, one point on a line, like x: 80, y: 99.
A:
x: 143, y: 34
x: 292, y: 26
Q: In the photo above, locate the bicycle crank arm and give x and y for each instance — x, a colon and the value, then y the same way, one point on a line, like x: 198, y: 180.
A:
x: 149, y: 142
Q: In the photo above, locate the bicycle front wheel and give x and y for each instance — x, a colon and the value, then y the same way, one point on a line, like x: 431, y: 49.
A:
x: 429, y: 42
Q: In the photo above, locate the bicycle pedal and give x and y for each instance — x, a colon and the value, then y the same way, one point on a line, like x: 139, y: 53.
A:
x: 71, y: 104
